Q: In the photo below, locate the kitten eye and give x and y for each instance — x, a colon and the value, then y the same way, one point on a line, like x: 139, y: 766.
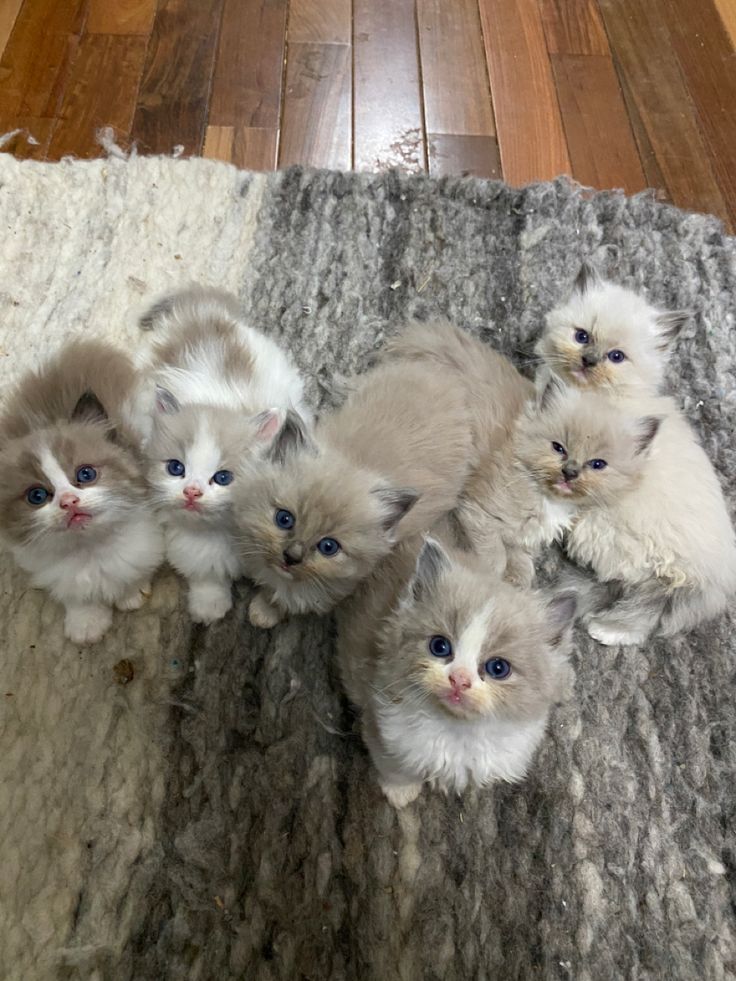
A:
x: 559, y: 448
x: 498, y: 668
x: 86, y: 475
x: 582, y: 336
x: 328, y: 546
x: 223, y: 477
x: 37, y: 496
x: 440, y: 646
x: 616, y: 356
x: 176, y: 468
x: 284, y: 519
x: 597, y: 464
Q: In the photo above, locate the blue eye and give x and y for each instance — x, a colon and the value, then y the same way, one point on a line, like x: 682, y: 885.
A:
x: 597, y: 464
x: 328, y: 546
x: 37, y: 496
x: 223, y: 478
x: 85, y: 475
x: 440, y: 646
x: 616, y: 356
x: 498, y: 668
x: 176, y: 468
x: 284, y: 519
x: 559, y: 448
x: 582, y: 336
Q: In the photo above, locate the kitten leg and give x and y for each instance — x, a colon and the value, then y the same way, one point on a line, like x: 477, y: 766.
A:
x: 398, y: 787
x: 86, y: 623
x: 630, y: 620
x: 209, y: 599
x: 263, y: 613
x: 134, y: 598
x: 519, y: 567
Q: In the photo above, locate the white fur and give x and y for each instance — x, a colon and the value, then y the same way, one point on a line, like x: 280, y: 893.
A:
x: 553, y: 520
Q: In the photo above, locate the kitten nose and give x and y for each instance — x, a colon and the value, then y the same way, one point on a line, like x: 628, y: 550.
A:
x: 293, y: 554
x: 191, y: 492
x: 589, y: 360
x: 460, y: 679
x: 570, y: 471
x: 68, y: 500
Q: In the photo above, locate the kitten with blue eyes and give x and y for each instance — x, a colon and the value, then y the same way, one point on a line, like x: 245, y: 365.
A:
x: 74, y: 503
x: 608, y: 338
x: 222, y: 390
x: 454, y: 670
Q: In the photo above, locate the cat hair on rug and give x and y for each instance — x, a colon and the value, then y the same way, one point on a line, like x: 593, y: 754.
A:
x: 222, y: 390
x: 74, y: 506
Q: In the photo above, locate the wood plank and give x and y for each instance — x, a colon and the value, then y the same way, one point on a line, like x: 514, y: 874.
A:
x: 602, y: 148
x: 573, y: 27
x: 121, y: 16
x: 246, y: 90
x: 727, y: 12
x: 320, y: 22
x: 707, y: 61
x: 316, y: 129
x: 640, y: 40
x: 30, y: 139
x: 218, y: 143
x: 8, y: 13
x: 474, y: 156
x: 652, y: 171
x: 102, y: 91
x: 530, y: 133
x: 175, y: 90
x: 457, y: 97
x: 387, y: 129
x: 255, y: 148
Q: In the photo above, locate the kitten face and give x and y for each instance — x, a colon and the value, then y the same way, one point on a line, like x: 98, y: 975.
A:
x: 582, y: 447
x: 68, y: 483
x: 607, y: 337
x: 476, y: 649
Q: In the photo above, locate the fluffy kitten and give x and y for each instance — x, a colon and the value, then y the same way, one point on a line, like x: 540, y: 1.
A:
x: 608, y: 337
x: 455, y: 671
x: 222, y: 391
x: 73, y: 502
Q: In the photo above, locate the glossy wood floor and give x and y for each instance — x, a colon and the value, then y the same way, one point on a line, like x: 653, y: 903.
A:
x: 616, y: 93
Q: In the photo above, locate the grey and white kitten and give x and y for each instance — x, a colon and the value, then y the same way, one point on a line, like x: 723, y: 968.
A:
x: 606, y: 337
x: 74, y: 506
x: 455, y: 671
x: 222, y: 389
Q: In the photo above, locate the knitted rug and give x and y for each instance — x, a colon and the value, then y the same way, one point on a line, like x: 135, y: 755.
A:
x: 182, y: 802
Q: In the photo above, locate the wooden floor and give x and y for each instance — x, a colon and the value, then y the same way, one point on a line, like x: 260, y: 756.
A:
x: 616, y: 93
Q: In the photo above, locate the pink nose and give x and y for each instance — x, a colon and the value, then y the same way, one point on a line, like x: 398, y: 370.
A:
x: 460, y: 679
x: 192, y: 493
x: 68, y: 500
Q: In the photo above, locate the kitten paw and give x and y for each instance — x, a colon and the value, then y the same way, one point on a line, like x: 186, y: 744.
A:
x: 612, y: 635
x: 209, y: 601
x: 87, y: 624
x: 263, y: 614
x: 399, y: 795
x: 135, y: 599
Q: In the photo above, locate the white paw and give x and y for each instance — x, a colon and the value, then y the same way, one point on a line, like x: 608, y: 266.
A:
x: 399, y: 795
x: 262, y: 614
x: 611, y: 635
x: 87, y: 624
x: 209, y: 601
x: 135, y: 599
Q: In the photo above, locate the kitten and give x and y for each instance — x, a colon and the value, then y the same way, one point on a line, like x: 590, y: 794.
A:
x: 608, y: 337
x: 73, y: 502
x: 454, y: 670
x: 222, y: 389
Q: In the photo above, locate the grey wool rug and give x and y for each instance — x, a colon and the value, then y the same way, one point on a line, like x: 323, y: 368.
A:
x: 183, y: 802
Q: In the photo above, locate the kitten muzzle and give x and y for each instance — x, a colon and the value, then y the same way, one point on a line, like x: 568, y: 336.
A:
x: 293, y: 554
x: 75, y: 516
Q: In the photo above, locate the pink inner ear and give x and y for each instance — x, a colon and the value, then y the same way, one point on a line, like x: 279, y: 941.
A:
x: 269, y: 425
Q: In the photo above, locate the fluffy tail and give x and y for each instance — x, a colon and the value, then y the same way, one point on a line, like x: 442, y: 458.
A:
x: 592, y: 596
x: 193, y: 305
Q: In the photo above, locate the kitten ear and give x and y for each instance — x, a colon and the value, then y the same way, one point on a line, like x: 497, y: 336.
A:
x: 268, y: 423
x: 669, y: 325
x: 396, y: 503
x: 587, y: 278
x: 552, y: 390
x: 291, y: 437
x: 89, y: 409
x: 432, y: 561
x: 561, y: 611
x: 166, y: 402
x: 647, y: 430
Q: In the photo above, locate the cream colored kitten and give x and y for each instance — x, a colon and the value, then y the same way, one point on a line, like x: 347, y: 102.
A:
x: 608, y: 337
x: 454, y: 670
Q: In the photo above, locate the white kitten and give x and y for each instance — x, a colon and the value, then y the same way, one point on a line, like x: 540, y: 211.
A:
x: 222, y: 389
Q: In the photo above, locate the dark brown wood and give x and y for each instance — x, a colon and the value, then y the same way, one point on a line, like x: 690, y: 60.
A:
x: 573, y: 27
x: 121, y: 16
x: 388, y: 129
x: 602, y: 148
x: 475, y: 156
x: 319, y: 21
x: 174, y: 95
x: 30, y: 139
x: 652, y: 171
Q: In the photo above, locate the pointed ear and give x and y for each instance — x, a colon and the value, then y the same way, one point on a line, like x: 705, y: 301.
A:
x: 89, y: 409
x: 268, y: 424
x: 166, y: 401
x: 432, y: 561
x: 647, y: 430
x: 290, y: 438
x: 396, y: 503
x: 561, y: 611
x: 550, y: 392
x: 669, y: 325
x: 587, y: 278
